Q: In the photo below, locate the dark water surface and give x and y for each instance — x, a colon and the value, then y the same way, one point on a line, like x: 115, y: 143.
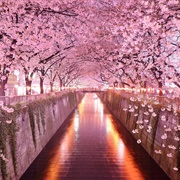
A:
x: 92, y: 145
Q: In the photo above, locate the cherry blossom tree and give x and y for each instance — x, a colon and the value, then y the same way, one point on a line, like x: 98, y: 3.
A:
x: 31, y: 29
x: 137, y: 42
x: 146, y: 32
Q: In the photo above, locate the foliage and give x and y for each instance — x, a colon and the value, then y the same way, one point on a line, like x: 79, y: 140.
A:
x: 32, y: 121
x: 36, y: 110
x: 133, y: 43
x: 8, y: 130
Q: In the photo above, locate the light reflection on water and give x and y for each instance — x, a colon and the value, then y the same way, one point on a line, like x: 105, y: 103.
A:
x: 116, y: 149
x: 91, y: 136
x: 121, y: 152
x: 60, y: 154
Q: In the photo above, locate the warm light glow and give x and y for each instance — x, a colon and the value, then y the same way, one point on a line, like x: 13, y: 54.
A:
x: 163, y: 91
x: 158, y: 91
x: 36, y: 89
x: 28, y: 88
x: 99, y: 108
x: 21, y: 90
x: 119, y: 150
x: 170, y: 90
x: 76, y: 121
x: 61, y: 154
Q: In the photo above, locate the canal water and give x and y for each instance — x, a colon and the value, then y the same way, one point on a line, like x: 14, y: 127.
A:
x: 92, y: 144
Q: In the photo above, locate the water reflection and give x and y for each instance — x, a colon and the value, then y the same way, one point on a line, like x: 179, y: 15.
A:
x: 120, y: 152
x: 92, y: 147
x: 76, y: 121
x: 62, y: 153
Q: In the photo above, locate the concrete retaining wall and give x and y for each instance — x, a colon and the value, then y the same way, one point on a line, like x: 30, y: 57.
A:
x: 33, y: 131
x: 156, y: 128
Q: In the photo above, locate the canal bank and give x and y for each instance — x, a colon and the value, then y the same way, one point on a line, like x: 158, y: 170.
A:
x: 155, y: 127
x: 25, y: 131
x: 90, y: 145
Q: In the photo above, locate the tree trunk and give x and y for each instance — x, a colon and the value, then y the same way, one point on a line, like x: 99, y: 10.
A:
x: 41, y: 85
x: 122, y: 85
x: 60, y: 84
x: 2, y: 88
x: 115, y: 84
x: 51, y: 86
x: 145, y: 84
x: 160, y: 85
x: 28, y: 86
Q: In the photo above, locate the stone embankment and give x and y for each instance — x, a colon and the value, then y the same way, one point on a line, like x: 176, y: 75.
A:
x: 154, y: 126
x: 25, y: 130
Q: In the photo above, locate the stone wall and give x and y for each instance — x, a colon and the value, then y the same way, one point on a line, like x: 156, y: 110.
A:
x: 35, y: 125
x: 155, y: 127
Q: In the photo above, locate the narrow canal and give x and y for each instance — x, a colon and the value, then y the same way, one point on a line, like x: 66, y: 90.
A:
x: 92, y: 145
